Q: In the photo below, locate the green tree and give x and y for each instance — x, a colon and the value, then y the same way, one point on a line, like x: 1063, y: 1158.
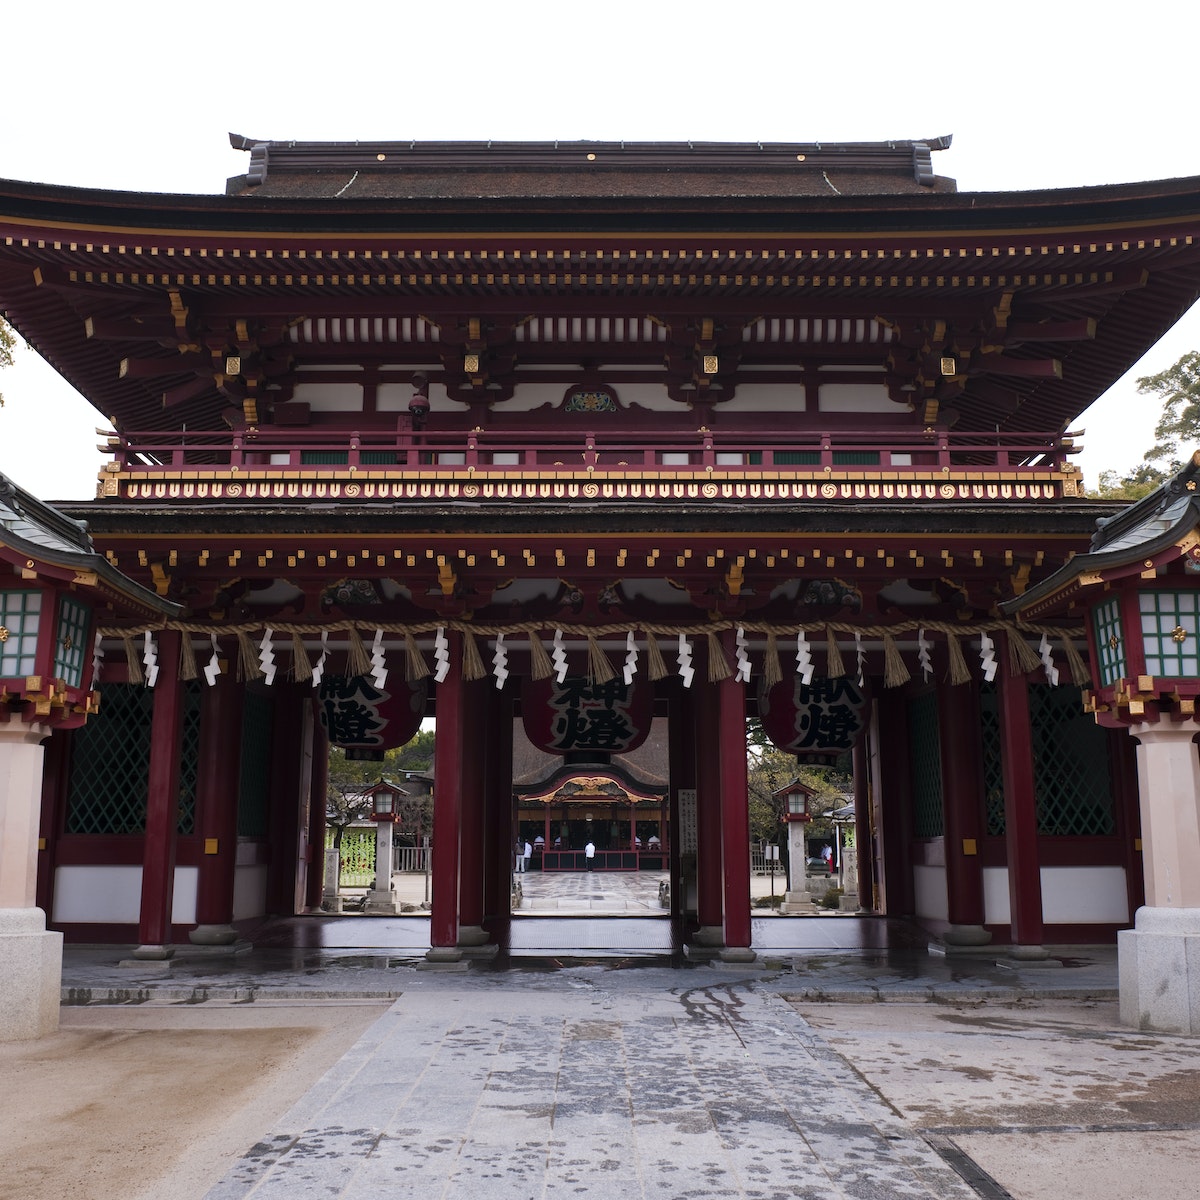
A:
x: 768, y: 771
x: 1133, y: 485
x: 345, y: 802
x: 8, y: 341
x: 1178, y: 429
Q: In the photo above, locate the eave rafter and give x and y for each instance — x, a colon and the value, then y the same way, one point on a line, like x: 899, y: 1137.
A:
x: 398, y: 576
x: 1014, y: 309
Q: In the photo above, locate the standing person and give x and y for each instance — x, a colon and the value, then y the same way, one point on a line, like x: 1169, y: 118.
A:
x: 589, y: 853
x: 528, y: 854
x: 519, y: 855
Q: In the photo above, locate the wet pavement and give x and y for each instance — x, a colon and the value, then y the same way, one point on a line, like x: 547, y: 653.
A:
x: 842, y: 957
x: 600, y: 1058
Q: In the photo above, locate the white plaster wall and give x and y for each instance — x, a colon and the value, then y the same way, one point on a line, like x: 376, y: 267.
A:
x: 765, y: 397
x: 529, y: 396
x: 855, y: 397
x: 1070, y: 895
x: 1084, y: 895
x: 102, y: 894
x: 330, y: 397
x: 395, y: 397
x: 995, y: 896
x: 249, y: 892
x: 183, y: 898
x: 97, y: 893
x: 929, y: 893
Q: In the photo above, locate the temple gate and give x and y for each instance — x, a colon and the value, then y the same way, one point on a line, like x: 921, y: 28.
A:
x: 468, y: 417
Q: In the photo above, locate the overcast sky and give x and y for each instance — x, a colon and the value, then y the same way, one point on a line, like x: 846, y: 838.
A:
x: 141, y: 96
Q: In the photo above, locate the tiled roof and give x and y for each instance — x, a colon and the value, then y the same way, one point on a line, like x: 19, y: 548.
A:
x: 609, y: 170
x: 37, y: 531
x: 25, y: 519
x: 1131, y: 538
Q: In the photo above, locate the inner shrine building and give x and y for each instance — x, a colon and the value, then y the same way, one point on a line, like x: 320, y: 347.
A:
x: 692, y: 432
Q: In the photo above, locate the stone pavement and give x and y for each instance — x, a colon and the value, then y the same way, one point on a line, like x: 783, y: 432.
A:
x: 596, y: 1057
x: 592, y: 1084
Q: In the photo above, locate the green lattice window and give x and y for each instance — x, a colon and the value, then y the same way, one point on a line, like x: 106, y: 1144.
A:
x: 20, y: 615
x: 1170, y: 622
x: 993, y: 769
x: 110, y: 762
x: 377, y: 458
x: 73, y: 621
x: 255, y: 776
x: 797, y: 458
x: 1110, y: 641
x: 925, y: 758
x: 856, y: 458
x: 1070, y: 764
x: 324, y: 458
x: 1070, y: 756
x: 189, y: 758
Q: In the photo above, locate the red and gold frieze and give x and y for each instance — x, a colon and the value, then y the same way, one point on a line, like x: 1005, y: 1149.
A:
x: 970, y: 487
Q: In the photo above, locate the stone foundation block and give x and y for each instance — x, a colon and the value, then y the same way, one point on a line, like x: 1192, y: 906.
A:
x: 1159, y: 964
x: 30, y: 975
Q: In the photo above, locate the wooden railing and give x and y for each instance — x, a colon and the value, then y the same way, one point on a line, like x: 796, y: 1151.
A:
x: 316, y: 452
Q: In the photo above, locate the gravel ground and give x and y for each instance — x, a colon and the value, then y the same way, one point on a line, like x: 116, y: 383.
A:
x: 158, y: 1100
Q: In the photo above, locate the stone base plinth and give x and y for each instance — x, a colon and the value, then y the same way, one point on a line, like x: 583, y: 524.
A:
x: 737, y: 954
x: 709, y: 935
x: 966, y: 936
x: 213, y: 935
x: 153, y: 953
x: 796, y: 902
x: 472, y: 935
x: 381, y: 902
x: 1029, y: 954
x: 443, y: 958
x: 30, y: 975
x: 1159, y: 963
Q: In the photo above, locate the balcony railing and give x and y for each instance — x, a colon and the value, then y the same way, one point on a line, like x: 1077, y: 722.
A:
x: 315, y: 452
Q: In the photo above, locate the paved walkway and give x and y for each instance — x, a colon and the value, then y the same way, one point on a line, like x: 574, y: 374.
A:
x: 586, y: 1086
x: 623, y: 1068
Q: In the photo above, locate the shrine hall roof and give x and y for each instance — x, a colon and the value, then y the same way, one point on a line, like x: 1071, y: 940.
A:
x: 1148, y: 534
x: 33, y: 530
x: 598, y: 170
x: 1049, y: 296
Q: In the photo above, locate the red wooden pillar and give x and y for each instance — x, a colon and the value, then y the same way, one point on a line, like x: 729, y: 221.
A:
x: 682, y: 749
x: 217, y: 785
x: 864, y: 829
x: 895, y: 804
x: 447, y: 809
x: 962, y: 812
x: 1020, y: 817
x: 709, y: 897
x: 1122, y: 751
x: 317, y: 796
x: 476, y: 712
x: 162, y: 805
x: 735, y: 810
x: 291, y: 746
x: 53, y: 815
x: 498, y: 816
